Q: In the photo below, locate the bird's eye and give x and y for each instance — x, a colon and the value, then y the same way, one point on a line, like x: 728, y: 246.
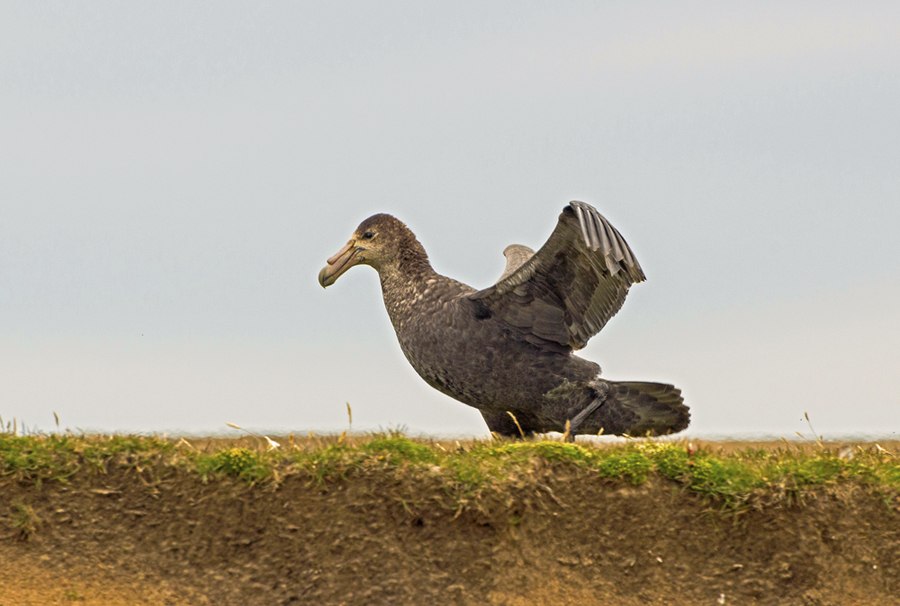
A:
x: 369, y: 235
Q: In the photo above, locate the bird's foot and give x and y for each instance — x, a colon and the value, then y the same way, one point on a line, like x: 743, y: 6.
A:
x: 577, y: 420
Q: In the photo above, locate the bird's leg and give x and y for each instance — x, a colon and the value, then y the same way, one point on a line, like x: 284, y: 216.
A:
x: 597, y: 402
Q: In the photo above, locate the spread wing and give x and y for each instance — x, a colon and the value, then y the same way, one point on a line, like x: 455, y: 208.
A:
x: 567, y: 291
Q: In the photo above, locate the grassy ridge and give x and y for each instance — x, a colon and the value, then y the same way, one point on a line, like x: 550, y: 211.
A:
x: 730, y: 478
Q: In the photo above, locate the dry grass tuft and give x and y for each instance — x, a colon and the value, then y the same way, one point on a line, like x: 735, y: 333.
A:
x: 25, y: 521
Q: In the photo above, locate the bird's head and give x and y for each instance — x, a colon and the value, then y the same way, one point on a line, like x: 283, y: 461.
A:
x: 380, y: 241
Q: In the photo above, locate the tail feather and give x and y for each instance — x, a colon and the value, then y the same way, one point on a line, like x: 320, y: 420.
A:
x: 641, y: 409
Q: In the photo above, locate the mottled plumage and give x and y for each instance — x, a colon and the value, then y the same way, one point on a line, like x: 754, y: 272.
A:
x: 508, y: 348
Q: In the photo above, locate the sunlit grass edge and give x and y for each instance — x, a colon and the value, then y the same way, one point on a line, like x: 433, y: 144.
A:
x: 465, y: 470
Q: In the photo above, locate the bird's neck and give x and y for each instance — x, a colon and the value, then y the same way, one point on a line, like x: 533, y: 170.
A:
x: 405, y: 279
x: 408, y: 269
x: 404, y: 285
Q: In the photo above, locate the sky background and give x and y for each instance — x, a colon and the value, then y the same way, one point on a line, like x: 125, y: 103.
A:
x: 174, y: 175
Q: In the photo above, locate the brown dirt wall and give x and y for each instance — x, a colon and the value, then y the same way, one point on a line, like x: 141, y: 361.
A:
x: 385, y: 537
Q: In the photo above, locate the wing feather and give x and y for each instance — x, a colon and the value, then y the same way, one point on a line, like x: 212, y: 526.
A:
x: 566, y: 292
x: 516, y: 255
x: 584, y: 228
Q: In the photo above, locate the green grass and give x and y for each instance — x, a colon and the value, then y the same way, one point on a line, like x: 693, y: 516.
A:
x: 464, y: 471
x: 57, y: 457
x: 72, y: 595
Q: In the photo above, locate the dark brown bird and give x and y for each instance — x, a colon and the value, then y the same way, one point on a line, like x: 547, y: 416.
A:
x: 508, y: 348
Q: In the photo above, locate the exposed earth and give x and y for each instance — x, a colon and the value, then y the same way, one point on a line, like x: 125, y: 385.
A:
x: 384, y: 537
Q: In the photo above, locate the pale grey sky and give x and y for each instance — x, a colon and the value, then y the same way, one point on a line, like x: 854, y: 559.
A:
x: 174, y: 175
